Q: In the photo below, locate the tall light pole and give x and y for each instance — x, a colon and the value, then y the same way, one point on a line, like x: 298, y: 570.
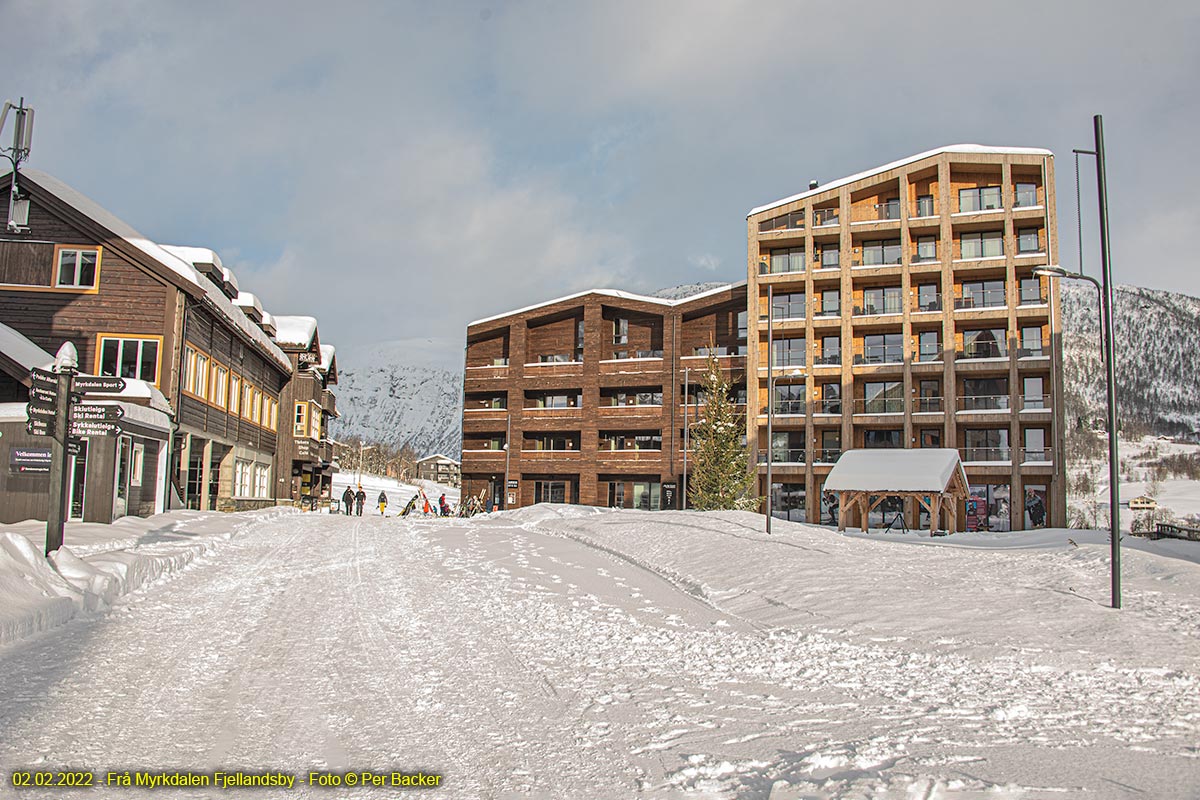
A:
x: 507, y: 456
x: 770, y: 393
x: 362, y: 449
x: 1105, y: 290
x: 686, y: 434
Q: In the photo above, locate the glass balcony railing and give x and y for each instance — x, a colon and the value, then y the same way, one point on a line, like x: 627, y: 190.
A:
x: 1025, y: 198
x: 1036, y: 455
x: 820, y: 310
x: 1035, y: 402
x: 986, y: 453
x: 1034, y: 349
x: 781, y: 455
x: 826, y: 455
x: 829, y: 405
x: 983, y: 402
x: 929, y: 304
x: 983, y: 350
x: 922, y: 208
x: 927, y: 405
x: 828, y: 359
x: 880, y: 354
x: 788, y: 358
x: 780, y: 265
x: 888, y: 306
x: 886, y: 211
x: 555, y: 358
x: 992, y: 298
x: 825, y: 216
x: 793, y: 310
x: 722, y: 350
x: 929, y: 352
x: 1032, y: 298
x: 785, y: 222
x: 924, y: 258
x: 877, y: 257
x: 879, y: 405
x: 787, y: 407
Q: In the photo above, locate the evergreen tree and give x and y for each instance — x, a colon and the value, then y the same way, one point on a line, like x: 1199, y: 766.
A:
x: 720, y: 474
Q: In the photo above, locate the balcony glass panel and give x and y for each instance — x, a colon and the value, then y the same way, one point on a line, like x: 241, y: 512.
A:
x: 984, y: 198
x: 881, y: 253
x: 1026, y: 195
x: 924, y: 206
x: 792, y: 221
x: 825, y: 216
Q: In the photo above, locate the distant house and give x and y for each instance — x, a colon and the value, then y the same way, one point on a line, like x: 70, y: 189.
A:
x: 439, y: 469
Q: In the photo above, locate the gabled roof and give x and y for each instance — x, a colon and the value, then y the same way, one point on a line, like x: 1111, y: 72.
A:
x: 437, y: 457
x: 950, y: 148
x: 639, y: 298
x: 929, y: 470
x: 181, y: 270
x: 20, y: 355
x: 328, y: 364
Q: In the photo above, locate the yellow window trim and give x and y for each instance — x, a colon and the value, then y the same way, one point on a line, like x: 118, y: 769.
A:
x: 101, y: 337
x: 54, y: 287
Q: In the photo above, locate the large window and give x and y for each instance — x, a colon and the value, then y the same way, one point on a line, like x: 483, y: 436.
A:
x: 1031, y: 291
x: 831, y: 305
x: 882, y: 300
x: 1029, y: 240
x: 926, y: 248
x: 241, y: 478
x: 883, y: 397
x: 883, y: 348
x: 647, y: 495
x: 314, y: 421
x: 129, y: 358
x: 829, y: 255
x: 881, y: 252
x: 789, y: 352
x: 831, y: 350
x: 195, y: 378
x: 262, y: 480
x: 929, y: 346
x: 883, y: 438
x: 929, y: 297
x: 218, y: 393
x: 1026, y: 195
x: 788, y: 306
x: 632, y: 397
x: 77, y: 267
x: 620, y: 331
x: 985, y: 343
x: 982, y: 294
x: 235, y: 394
x: 300, y: 421
x: 983, y: 198
x: 985, y: 244
x: 789, y: 259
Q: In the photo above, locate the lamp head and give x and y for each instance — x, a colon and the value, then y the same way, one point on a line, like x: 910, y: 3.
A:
x: 1051, y: 272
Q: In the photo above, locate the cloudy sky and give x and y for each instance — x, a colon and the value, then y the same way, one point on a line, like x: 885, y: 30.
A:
x: 399, y: 169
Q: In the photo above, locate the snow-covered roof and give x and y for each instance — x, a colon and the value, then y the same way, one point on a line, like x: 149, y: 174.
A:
x: 917, y: 470
x: 174, y: 263
x: 228, y: 276
x: 249, y: 301
x: 640, y: 298
x: 195, y: 255
x: 950, y: 148
x: 268, y: 323
x: 296, y: 331
x: 327, y: 354
x: 437, y: 457
x: 21, y: 350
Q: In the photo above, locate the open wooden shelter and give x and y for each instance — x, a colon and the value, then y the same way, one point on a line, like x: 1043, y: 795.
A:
x: 933, y: 477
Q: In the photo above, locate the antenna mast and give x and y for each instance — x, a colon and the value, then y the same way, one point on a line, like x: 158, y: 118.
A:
x: 18, y: 207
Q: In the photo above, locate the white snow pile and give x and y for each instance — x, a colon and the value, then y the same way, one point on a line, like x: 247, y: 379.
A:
x: 98, y: 564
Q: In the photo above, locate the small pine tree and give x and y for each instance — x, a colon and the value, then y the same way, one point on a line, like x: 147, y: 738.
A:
x: 720, y: 473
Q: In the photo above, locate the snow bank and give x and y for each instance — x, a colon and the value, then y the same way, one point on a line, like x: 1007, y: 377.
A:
x: 100, y: 563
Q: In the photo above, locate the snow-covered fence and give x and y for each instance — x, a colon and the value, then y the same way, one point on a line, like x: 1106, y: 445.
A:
x: 1165, y: 530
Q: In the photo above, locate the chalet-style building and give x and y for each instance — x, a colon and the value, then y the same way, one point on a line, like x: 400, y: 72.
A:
x: 304, y: 457
x: 582, y: 399
x: 111, y: 476
x: 901, y: 308
x: 440, y: 469
x: 163, y: 315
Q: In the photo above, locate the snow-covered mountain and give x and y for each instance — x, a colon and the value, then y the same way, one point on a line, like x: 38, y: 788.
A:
x: 390, y: 393
x: 1158, y: 380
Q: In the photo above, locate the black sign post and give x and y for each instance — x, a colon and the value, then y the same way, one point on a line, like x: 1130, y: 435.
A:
x: 57, y: 501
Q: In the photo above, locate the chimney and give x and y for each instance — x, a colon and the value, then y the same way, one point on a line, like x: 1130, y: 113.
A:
x: 812, y: 185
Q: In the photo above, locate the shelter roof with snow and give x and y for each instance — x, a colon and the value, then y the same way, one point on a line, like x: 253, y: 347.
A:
x: 882, y: 471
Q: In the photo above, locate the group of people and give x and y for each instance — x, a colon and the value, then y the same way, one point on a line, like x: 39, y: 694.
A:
x: 353, y: 502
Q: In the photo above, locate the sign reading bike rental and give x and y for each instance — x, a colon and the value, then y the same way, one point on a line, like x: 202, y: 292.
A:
x: 29, y: 460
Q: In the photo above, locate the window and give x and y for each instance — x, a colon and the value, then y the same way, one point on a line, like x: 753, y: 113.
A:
x: 881, y: 252
x: 831, y: 398
x: 984, y: 394
x: 929, y: 297
x: 742, y: 325
x: 77, y: 267
x: 882, y: 300
x: 789, y: 352
x: 264, y: 411
x: 129, y: 358
x: 218, y: 391
x: 1026, y: 195
x: 646, y: 495
x: 262, y: 480
x: 788, y: 306
x: 985, y: 244
x: 831, y: 350
x: 929, y: 346
x: 552, y: 441
x: 929, y: 398
x: 1028, y: 241
x: 620, y: 331
x: 199, y: 377
x: 986, y: 343
x: 256, y: 406
x: 247, y: 401
x: 315, y: 420
x: 888, y: 438
x: 1033, y: 397
x: 274, y: 424
x: 830, y: 255
x: 1031, y: 341
x: 925, y: 205
x: 931, y: 437
x: 579, y: 340
x: 554, y: 400
x: 1031, y: 291
x: 982, y: 294
x: 789, y: 259
x: 989, y: 444
x: 926, y: 248
x: 788, y: 447
x: 137, y: 463
x: 235, y: 394
x: 300, y: 421
x: 241, y: 478
x: 1035, y: 445
x: 883, y: 348
x: 883, y: 397
x: 789, y: 398
x: 983, y: 198
x: 830, y: 302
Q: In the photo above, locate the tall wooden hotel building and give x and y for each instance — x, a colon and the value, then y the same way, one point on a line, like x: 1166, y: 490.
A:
x: 896, y: 308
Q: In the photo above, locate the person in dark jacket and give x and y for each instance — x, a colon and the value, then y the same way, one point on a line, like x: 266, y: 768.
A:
x: 348, y: 500
x: 382, y: 503
x: 360, y: 497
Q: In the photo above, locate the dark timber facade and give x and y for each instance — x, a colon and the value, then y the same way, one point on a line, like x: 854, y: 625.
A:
x: 581, y: 399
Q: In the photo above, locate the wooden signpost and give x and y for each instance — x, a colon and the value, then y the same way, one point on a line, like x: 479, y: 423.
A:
x: 56, y: 410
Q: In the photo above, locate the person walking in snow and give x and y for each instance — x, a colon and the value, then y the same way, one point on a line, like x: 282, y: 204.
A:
x: 360, y: 497
x: 382, y: 502
x: 1035, y: 508
x: 348, y: 501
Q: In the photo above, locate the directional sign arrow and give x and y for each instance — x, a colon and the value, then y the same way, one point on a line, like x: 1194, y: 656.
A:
x: 38, y: 427
x: 87, y: 411
x: 43, y: 377
x: 104, y: 384
x: 89, y: 428
x: 74, y: 447
x: 36, y: 410
x: 39, y: 394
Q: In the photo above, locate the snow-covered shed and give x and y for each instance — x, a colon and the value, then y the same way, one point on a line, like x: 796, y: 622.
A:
x: 934, y: 477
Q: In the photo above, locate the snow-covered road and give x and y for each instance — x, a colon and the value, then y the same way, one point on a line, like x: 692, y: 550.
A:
x: 520, y: 656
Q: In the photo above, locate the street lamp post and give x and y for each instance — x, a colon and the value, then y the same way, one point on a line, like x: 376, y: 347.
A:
x: 362, y: 449
x: 1105, y: 291
x: 686, y: 434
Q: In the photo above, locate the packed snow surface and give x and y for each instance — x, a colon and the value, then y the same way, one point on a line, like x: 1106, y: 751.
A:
x: 570, y: 652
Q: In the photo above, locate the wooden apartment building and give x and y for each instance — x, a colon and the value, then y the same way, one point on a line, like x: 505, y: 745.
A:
x: 582, y: 399
x: 900, y: 308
